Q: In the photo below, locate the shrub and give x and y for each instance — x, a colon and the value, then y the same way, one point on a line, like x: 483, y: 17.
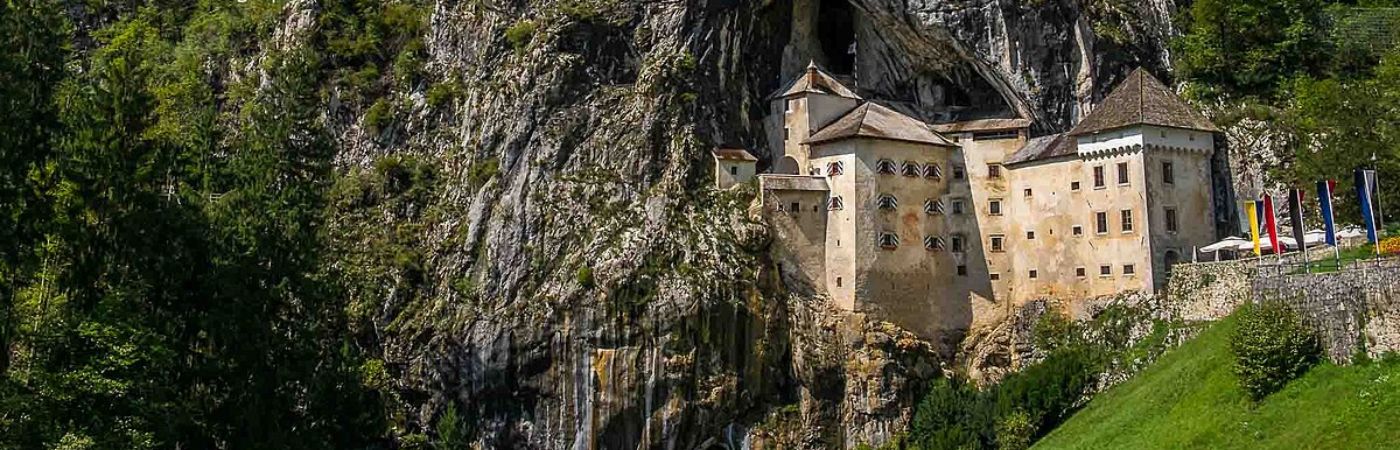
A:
x: 1272, y: 346
x: 520, y: 34
x: 378, y: 116
x: 1015, y: 431
x: 481, y: 172
x: 1390, y: 246
x: 585, y: 277
x: 951, y: 415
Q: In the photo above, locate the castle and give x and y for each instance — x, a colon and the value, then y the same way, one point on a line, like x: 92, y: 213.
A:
x: 950, y: 226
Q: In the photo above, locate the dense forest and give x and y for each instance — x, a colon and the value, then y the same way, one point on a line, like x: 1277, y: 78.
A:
x: 168, y: 277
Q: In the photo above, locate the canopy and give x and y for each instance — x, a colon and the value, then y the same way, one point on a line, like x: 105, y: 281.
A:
x: 1264, y: 244
x: 1229, y: 243
x: 1352, y: 232
x: 1314, y: 237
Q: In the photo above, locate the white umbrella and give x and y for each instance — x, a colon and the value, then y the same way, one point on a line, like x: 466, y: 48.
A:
x: 1264, y: 244
x: 1352, y: 232
x: 1230, y: 243
x: 1314, y: 237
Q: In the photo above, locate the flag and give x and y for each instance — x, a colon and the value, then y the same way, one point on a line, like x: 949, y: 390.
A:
x: 1364, y: 179
x: 1295, y: 215
x: 1271, y: 223
x: 1251, y: 209
x: 1324, y: 199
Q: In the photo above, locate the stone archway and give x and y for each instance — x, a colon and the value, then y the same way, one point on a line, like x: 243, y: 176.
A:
x: 786, y: 166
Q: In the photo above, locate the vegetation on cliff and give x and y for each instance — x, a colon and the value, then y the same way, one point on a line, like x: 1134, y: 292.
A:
x: 1191, y: 398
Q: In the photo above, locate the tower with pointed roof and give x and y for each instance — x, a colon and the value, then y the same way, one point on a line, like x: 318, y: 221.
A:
x: 808, y: 103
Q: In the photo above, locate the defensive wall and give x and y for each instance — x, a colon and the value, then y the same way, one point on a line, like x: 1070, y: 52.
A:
x: 1354, y: 309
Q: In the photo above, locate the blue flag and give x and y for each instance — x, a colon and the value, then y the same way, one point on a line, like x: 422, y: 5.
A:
x: 1364, y: 180
x: 1324, y: 197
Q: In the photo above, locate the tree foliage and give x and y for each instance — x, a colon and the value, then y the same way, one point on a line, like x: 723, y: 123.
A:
x: 1272, y: 346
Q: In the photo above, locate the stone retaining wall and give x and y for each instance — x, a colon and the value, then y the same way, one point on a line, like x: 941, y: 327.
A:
x: 1355, y: 309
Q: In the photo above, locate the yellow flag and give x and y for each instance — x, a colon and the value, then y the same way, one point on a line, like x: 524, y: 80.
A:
x: 1249, y: 210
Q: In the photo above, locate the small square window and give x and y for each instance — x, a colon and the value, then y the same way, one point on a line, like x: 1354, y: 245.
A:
x: 1129, y: 269
x: 994, y: 207
x: 1030, y: 235
x: 959, y: 173
x: 1034, y: 274
x: 836, y: 204
x: 733, y: 170
x: 1027, y: 192
x: 836, y: 168
x: 957, y: 207
x: 1077, y: 230
x: 887, y: 202
x: 994, y: 171
x: 886, y: 167
x: 1074, y: 185
x: 888, y: 241
x: 957, y: 243
x: 962, y: 270
x: 1079, y: 272
x: 998, y: 243
x: 796, y: 207
x: 1105, y: 270
x: 994, y: 276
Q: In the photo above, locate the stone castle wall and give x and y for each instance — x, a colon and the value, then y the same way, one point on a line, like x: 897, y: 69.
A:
x: 1352, y: 310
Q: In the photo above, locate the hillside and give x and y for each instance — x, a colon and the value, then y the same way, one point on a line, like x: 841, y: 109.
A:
x: 1190, y: 399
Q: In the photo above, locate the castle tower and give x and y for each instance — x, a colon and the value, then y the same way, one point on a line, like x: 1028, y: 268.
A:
x: 807, y: 104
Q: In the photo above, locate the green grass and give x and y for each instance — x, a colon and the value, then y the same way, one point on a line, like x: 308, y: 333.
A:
x: 1345, y: 257
x: 1191, y: 399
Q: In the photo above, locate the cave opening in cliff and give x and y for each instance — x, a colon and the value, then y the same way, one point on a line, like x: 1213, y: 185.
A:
x: 837, y: 32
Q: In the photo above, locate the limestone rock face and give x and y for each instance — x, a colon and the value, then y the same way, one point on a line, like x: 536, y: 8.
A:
x: 570, y: 280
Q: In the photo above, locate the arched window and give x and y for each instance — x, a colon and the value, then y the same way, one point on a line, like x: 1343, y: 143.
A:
x: 835, y: 168
x: 888, y: 241
x: 931, y: 170
x: 835, y: 204
x: 933, y: 243
x: 887, y: 202
x: 885, y: 167
x: 912, y: 169
x: 933, y: 206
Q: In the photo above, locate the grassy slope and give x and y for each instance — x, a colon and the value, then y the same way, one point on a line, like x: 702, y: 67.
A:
x: 1190, y: 399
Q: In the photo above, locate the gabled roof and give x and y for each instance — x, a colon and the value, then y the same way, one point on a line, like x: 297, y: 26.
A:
x: 733, y: 154
x: 1142, y: 99
x: 1044, y: 147
x: 870, y: 120
x: 982, y: 125
x: 815, y: 81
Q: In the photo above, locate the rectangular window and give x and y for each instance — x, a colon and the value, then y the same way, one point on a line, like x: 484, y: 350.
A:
x: 933, y: 207
x: 1074, y: 186
x: 959, y: 172
x: 787, y: 134
x: 957, y: 243
x: 962, y: 270
x: 993, y: 171
x: 1122, y: 173
x: 838, y: 281
x: 796, y: 208
x: 1105, y: 270
x: 1030, y: 235
x: 1028, y: 192
x: 788, y: 105
x: 998, y: 243
x: 1101, y: 223
x: 994, y: 207
x: 836, y: 168
x: 1077, y: 230
x: 1171, y: 220
x: 1168, y: 173
x: 1127, y: 220
x: 836, y: 204
x: 733, y: 170
x: 1129, y: 269
x: 957, y: 207
x: 1098, y: 177
x: 1034, y: 274
x: 994, y: 276
x: 1079, y: 272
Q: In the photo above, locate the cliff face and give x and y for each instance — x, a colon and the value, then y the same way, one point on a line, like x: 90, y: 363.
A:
x: 562, y: 273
